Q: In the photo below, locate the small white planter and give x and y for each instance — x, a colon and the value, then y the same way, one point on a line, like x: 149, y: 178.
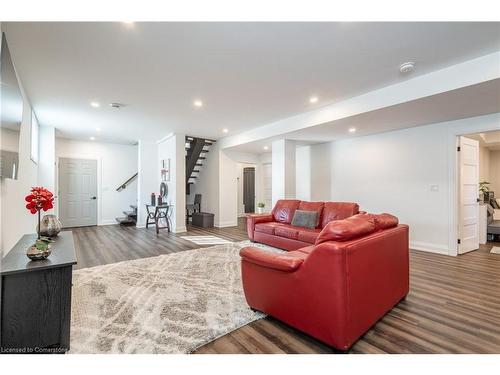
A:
x: 260, y: 210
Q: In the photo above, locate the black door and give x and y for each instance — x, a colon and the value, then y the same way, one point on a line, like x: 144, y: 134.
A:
x: 249, y: 189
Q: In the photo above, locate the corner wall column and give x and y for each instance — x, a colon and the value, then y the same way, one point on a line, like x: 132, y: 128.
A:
x: 283, y: 170
x: 147, y: 182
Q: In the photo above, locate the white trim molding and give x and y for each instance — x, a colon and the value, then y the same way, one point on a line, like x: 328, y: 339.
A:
x: 429, y: 247
x: 226, y: 224
x: 180, y: 229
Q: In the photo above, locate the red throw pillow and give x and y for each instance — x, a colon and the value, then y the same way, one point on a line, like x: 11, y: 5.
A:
x: 347, y: 229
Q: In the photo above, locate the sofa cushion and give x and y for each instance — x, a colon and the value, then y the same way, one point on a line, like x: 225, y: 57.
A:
x: 305, y: 219
x: 284, y: 210
x: 382, y: 221
x: 313, y: 206
x: 338, y: 211
x: 286, y: 231
x: 307, y: 249
x: 347, y: 229
x: 385, y: 221
x: 267, y: 227
x: 308, y: 235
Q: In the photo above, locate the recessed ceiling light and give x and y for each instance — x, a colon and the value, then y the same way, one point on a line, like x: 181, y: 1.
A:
x: 266, y: 148
x: 97, y: 129
x: 352, y: 130
x: 116, y: 105
x: 95, y: 104
x: 225, y: 130
x: 198, y: 103
x: 92, y: 138
x: 313, y: 99
x: 407, y: 67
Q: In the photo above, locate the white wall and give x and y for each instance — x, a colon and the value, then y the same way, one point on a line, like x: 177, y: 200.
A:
x: 303, y: 173
x: 321, y: 177
x: 228, y: 190
x: 494, y: 172
x: 116, y: 164
x: 484, y: 164
x: 394, y: 172
x: 283, y: 166
x: 47, y: 158
x: 15, y: 218
x: 173, y: 148
x: 147, y: 181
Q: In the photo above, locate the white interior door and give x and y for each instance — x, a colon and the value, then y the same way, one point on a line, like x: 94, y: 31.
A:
x: 77, y: 192
x: 469, y: 195
x: 268, y: 186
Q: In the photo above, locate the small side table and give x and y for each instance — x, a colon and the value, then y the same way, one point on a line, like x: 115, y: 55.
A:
x: 36, y: 298
x: 155, y: 213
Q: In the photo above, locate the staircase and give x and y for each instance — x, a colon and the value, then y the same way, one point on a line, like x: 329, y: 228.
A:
x: 196, y: 154
x: 130, y: 218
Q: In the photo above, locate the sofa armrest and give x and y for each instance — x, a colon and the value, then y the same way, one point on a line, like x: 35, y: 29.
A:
x: 496, y: 214
x: 253, y: 219
x: 287, y: 262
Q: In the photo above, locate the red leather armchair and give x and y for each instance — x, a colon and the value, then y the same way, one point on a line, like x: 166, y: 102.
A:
x: 275, y: 229
x: 336, y: 289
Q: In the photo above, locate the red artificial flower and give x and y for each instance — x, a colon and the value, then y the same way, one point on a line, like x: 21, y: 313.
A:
x: 39, y: 199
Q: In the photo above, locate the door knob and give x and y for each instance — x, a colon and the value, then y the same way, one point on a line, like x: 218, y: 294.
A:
x: 93, y: 198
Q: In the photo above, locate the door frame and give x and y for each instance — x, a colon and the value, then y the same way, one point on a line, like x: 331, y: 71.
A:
x: 243, y: 165
x: 99, y: 195
x: 459, y: 193
x: 479, y: 124
x: 270, y: 208
x: 254, y: 187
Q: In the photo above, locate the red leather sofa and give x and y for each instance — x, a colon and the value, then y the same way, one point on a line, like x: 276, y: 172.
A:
x: 276, y: 230
x: 336, y: 289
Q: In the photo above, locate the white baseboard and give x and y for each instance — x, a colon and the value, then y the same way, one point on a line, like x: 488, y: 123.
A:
x: 429, y: 247
x: 182, y: 229
x: 226, y: 224
x: 108, y: 222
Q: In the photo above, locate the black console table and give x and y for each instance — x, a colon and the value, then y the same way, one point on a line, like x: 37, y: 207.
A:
x: 36, y: 298
x: 155, y: 213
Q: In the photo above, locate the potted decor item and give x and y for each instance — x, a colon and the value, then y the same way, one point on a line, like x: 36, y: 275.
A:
x: 260, y: 207
x: 484, y: 191
x: 39, y: 199
x: 50, y: 226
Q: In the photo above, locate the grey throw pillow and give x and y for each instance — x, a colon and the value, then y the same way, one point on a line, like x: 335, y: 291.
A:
x: 306, y: 219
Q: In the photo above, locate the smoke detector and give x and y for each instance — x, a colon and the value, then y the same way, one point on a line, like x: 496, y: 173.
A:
x: 407, y: 67
x: 116, y: 105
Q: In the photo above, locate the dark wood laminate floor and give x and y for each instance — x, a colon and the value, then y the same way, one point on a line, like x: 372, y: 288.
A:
x: 453, y: 305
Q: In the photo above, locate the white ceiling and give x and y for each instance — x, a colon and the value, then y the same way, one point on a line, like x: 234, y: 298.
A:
x: 247, y: 74
x: 470, y: 101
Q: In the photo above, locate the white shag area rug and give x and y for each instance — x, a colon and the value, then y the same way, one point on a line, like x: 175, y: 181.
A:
x: 171, y: 303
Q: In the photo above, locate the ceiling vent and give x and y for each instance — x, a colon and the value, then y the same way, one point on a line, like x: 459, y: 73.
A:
x: 116, y: 105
